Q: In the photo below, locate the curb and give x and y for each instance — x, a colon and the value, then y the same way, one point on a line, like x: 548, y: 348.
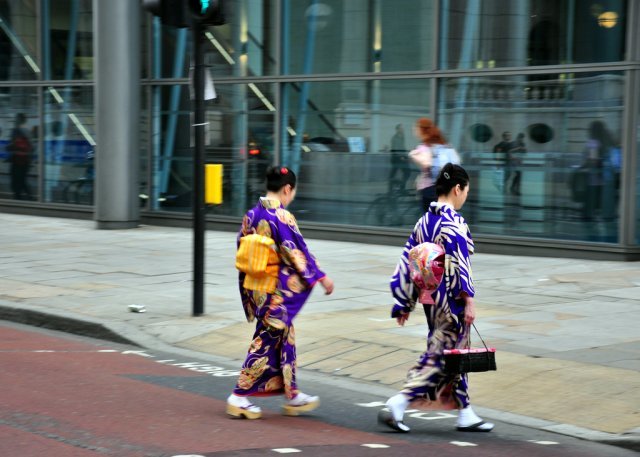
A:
x: 62, y: 323
x: 628, y: 442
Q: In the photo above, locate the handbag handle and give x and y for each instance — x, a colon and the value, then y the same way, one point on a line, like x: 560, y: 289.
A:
x: 484, y: 344
x: 468, y: 337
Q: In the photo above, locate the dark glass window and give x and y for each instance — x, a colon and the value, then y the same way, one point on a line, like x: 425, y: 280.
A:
x: 495, y: 33
x: 68, y: 39
x: 355, y: 36
x: 244, y: 46
x: 552, y: 166
x: 19, y: 59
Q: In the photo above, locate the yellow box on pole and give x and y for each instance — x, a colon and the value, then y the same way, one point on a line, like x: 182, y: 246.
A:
x: 213, y: 183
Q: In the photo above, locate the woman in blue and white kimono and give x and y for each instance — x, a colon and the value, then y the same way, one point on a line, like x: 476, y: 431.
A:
x: 450, y: 315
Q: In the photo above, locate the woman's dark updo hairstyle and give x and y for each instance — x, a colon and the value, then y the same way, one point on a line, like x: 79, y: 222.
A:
x: 449, y: 177
x: 278, y: 177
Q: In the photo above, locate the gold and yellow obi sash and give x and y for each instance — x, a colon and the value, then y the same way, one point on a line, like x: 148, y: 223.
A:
x: 258, y: 259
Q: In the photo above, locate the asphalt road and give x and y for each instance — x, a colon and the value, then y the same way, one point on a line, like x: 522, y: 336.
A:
x: 69, y: 396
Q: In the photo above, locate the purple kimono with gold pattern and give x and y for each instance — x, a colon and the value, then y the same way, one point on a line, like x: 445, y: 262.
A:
x: 270, y: 366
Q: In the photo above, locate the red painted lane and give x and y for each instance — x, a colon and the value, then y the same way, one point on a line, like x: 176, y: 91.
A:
x: 12, y: 339
x: 82, y: 397
x: 18, y: 443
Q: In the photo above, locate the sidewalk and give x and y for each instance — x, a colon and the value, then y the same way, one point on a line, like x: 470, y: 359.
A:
x: 566, y: 330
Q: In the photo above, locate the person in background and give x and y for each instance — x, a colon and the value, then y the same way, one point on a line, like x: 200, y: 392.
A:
x: 501, y: 152
x: 422, y: 155
x: 273, y: 293
x: 452, y: 312
x: 20, y: 149
x: 399, y: 160
x: 596, y: 160
x: 514, y: 159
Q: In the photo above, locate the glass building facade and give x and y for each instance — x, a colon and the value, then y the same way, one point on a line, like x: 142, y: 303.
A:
x: 333, y: 88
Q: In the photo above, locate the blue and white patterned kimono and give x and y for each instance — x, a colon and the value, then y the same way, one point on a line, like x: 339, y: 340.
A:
x: 442, y: 225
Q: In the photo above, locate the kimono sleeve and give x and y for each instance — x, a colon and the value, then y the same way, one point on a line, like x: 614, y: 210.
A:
x: 404, y: 293
x: 458, y: 249
x: 293, y: 249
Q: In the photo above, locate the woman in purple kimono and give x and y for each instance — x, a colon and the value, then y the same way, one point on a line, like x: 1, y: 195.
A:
x: 270, y: 366
x: 450, y: 315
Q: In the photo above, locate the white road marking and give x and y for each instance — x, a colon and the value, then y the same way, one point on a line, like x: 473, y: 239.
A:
x: 206, y: 368
x: 373, y: 404
x: 140, y: 353
x: 286, y: 450
x: 189, y: 455
x: 375, y: 446
x: 432, y: 415
x: 193, y: 366
x: 463, y: 444
x: 545, y: 443
x: 414, y: 413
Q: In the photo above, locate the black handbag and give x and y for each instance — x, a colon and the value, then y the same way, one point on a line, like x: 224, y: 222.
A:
x: 459, y: 361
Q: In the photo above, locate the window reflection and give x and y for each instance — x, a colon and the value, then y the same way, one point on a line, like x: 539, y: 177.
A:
x: 18, y: 41
x: 552, y: 165
x: 68, y: 40
x: 348, y: 141
x: 494, y: 33
x: 334, y: 36
x: 69, y: 145
x: 239, y: 135
x: 245, y: 46
x: 19, y: 152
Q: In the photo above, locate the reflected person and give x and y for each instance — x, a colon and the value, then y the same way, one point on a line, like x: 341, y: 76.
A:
x: 20, y: 149
x: 399, y: 161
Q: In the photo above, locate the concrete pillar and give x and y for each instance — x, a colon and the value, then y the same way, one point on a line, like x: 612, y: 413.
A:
x: 116, y: 25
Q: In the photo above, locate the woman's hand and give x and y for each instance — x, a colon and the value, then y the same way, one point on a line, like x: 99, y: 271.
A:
x: 469, y: 310
x: 402, y: 318
x: 327, y: 284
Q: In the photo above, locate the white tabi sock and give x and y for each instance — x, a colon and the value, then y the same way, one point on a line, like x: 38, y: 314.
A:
x: 467, y: 416
x: 397, y: 405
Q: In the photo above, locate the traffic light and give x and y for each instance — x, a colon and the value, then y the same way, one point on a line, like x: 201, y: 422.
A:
x: 183, y: 13
x: 170, y: 12
x: 207, y: 12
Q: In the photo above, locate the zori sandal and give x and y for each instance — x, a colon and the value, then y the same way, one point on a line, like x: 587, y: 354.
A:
x: 481, y: 426
x: 386, y: 418
x: 242, y: 407
x: 301, y: 403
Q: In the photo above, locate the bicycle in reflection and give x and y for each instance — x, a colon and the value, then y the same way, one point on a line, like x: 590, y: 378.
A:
x: 80, y: 190
x: 397, y: 207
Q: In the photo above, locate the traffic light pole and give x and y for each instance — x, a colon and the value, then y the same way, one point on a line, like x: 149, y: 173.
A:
x: 198, y: 171
x: 196, y: 14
